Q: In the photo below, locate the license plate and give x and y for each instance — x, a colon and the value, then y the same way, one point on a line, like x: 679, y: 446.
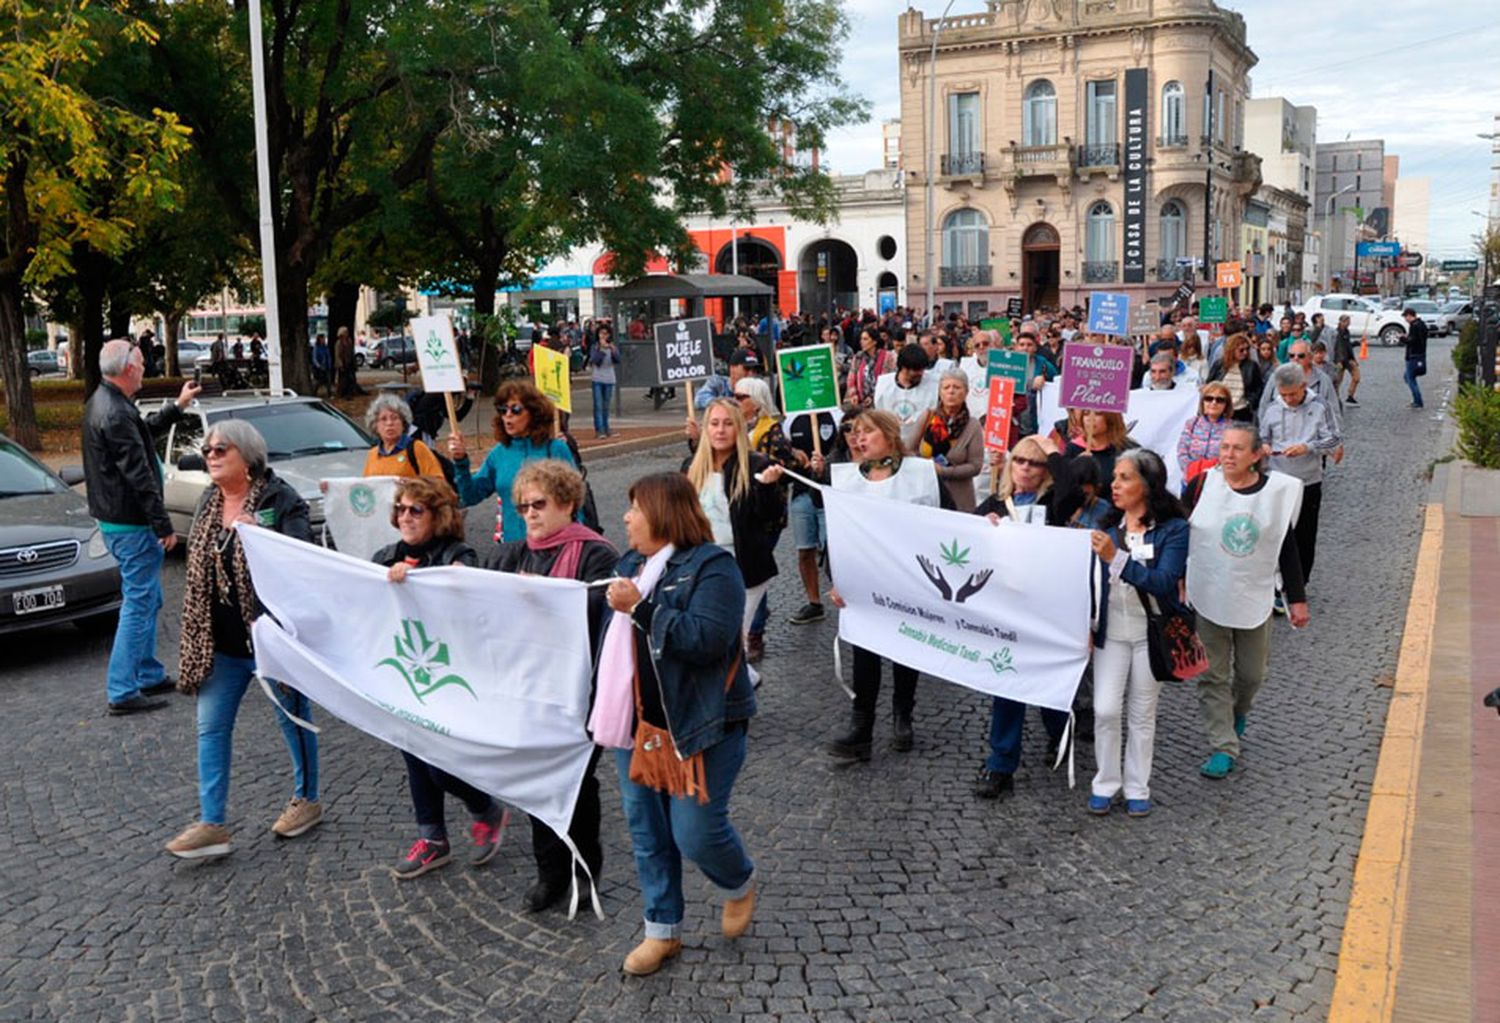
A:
x: 45, y: 598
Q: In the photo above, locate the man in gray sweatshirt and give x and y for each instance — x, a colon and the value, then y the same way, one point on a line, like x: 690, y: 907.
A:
x: 1298, y: 428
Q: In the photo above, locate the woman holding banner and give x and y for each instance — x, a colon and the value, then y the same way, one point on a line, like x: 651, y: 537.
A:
x: 767, y: 437
x: 745, y: 514
x: 525, y: 426
x: 427, y: 515
x: 548, y: 495
x: 674, y: 700
x: 397, y: 451
x: 1144, y: 548
x: 953, y: 439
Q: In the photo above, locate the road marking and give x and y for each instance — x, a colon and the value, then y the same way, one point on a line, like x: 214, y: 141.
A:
x: 1370, y: 955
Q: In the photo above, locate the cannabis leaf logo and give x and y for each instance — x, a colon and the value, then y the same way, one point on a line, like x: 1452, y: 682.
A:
x: 953, y: 556
x: 418, y: 659
x: 1000, y: 661
x: 1240, y: 536
x: 795, y: 369
x: 435, y: 348
x: 362, y: 500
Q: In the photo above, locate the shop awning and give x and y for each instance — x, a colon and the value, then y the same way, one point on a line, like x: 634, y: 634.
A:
x: 653, y: 287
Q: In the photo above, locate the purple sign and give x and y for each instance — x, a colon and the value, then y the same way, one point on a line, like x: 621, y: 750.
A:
x: 1096, y: 377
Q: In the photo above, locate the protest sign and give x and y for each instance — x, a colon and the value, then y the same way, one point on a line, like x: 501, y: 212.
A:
x: 1213, y: 309
x: 1096, y: 376
x: 809, y: 379
x: 553, y: 377
x: 1017, y: 366
x: 997, y: 415
x: 1109, y: 313
x: 1228, y: 275
x: 1013, y: 307
x: 1145, y: 318
x: 357, y: 510
x: 684, y: 351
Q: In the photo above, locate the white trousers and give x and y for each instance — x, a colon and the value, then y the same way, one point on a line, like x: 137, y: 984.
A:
x: 752, y: 598
x: 1121, y: 666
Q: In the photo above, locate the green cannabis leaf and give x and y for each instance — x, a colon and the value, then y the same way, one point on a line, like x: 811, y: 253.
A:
x: 418, y: 659
x: 953, y: 556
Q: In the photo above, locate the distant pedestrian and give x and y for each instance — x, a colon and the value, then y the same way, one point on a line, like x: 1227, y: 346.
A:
x: 124, y: 482
x: 1416, y: 354
x: 343, y: 364
x: 322, y: 366
x: 1344, y: 360
x: 604, y: 356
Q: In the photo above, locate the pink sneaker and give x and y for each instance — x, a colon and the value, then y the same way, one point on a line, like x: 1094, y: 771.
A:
x: 487, y: 838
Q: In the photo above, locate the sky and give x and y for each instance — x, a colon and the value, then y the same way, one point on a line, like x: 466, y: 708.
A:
x: 1422, y: 76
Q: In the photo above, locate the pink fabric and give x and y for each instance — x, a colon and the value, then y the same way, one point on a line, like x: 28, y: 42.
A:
x: 571, y: 539
x: 614, y: 699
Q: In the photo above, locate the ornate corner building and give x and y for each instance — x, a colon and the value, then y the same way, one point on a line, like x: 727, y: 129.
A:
x: 1074, y: 146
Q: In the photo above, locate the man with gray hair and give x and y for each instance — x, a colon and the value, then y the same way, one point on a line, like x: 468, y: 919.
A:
x: 124, y: 483
x: 1298, y: 429
x: 1163, y: 369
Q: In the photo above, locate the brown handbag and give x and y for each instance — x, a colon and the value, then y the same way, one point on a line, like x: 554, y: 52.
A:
x: 654, y: 761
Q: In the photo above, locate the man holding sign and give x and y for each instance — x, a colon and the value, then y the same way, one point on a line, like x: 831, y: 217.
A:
x: 810, y: 399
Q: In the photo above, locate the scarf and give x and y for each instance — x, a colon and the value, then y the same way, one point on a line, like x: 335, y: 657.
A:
x: 869, y: 465
x: 614, y: 700
x: 207, y: 582
x: 941, y: 430
x: 571, y: 538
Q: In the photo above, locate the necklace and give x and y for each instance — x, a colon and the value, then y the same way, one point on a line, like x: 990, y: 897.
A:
x: 869, y: 465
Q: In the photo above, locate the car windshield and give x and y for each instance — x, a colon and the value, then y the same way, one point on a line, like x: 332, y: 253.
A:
x: 21, y: 475
x: 1422, y: 307
x: 1453, y: 307
x: 296, y: 429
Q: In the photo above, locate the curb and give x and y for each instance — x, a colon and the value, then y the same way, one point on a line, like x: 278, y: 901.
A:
x: 632, y: 446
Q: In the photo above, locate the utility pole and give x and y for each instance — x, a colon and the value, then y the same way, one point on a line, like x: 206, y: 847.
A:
x: 1208, y: 175
x: 937, y: 30
x: 263, y: 181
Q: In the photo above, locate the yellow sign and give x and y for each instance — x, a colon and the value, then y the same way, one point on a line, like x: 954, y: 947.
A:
x: 1230, y: 275
x: 552, y: 376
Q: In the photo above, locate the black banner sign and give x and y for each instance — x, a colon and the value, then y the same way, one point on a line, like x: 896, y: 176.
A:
x: 1137, y: 107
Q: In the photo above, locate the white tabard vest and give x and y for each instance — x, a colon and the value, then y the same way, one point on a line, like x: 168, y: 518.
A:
x: 915, y: 482
x: 1235, y: 545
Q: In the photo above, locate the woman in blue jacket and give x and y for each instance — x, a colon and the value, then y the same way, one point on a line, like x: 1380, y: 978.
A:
x: 675, y: 641
x: 1144, y: 548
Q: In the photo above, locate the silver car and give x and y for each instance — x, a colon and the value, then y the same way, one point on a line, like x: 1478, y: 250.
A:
x: 307, y: 440
x: 54, y: 566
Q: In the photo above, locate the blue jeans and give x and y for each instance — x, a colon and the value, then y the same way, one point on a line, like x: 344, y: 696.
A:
x: 1007, y: 723
x: 763, y: 609
x: 218, y: 703
x: 132, y: 659
x: 664, y: 829
x: 1411, y: 381
x: 602, y: 395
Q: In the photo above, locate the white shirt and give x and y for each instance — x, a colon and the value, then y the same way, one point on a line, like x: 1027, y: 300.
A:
x: 716, y: 506
x: 906, y: 403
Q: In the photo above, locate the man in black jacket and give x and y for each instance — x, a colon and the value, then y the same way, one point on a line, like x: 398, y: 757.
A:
x: 1416, y: 354
x: 124, y: 481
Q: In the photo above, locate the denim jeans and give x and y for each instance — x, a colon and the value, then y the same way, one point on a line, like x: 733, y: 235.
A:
x: 664, y: 829
x: 132, y: 659
x: 1410, y: 377
x: 428, y: 785
x: 218, y: 703
x: 602, y: 395
x: 1007, y: 723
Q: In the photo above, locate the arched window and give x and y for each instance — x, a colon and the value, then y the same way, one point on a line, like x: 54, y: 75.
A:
x: 1099, y: 244
x: 966, y: 239
x: 1039, y: 114
x: 1173, y: 114
x: 1173, y: 237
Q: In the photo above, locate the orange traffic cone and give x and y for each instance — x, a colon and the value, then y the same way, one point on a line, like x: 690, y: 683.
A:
x: 1364, y: 347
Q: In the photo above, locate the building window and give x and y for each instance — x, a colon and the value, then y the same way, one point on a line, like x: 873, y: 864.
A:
x: 963, y: 130
x: 1099, y: 244
x: 966, y: 239
x: 1173, y: 235
x: 1358, y: 183
x: 1219, y: 130
x: 1173, y: 115
x: 1040, y: 114
x: 1100, y: 129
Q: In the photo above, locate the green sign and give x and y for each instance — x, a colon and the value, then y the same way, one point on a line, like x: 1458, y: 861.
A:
x: 997, y: 323
x: 1460, y: 265
x: 809, y: 379
x: 1015, y: 365
x: 1213, y: 309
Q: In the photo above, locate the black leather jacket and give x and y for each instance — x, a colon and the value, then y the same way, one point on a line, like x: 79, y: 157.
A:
x: 120, y: 467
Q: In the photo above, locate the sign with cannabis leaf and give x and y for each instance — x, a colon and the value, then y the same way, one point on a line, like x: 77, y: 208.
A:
x: 419, y: 659
x: 437, y: 354
x: 809, y: 379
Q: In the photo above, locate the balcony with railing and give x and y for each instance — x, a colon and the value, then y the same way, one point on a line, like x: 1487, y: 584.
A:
x: 1037, y: 161
x: 1101, y: 271
x: 1105, y: 155
x: 1168, y: 270
x: 961, y: 165
x: 965, y: 276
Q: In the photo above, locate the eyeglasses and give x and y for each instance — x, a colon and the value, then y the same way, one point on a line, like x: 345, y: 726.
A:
x: 526, y: 506
x: 416, y: 511
x: 1303, y: 355
x: 512, y: 410
x: 215, y: 450
x: 1214, y: 399
x: 1030, y: 463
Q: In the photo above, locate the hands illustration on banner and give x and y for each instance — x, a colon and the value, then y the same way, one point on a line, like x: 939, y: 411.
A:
x: 976, y: 582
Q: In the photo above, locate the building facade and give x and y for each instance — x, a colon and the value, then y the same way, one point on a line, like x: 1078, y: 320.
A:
x: 1078, y: 146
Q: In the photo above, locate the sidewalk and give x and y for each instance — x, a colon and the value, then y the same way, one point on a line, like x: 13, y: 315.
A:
x: 638, y: 427
x: 1422, y: 937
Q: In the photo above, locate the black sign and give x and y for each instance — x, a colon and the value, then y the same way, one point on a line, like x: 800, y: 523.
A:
x: 1137, y: 106
x: 1013, y: 307
x: 684, y: 350
x: 1183, y: 298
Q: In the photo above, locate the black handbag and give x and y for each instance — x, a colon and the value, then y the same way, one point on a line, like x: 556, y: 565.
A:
x: 1176, y: 653
x: 1420, y: 369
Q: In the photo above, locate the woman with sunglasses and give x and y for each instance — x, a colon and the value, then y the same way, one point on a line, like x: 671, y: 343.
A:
x: 548, y: 495
x: 216, y: 662
x: 426, y: 514
x: 1198, y: 445
x: 525, y: 426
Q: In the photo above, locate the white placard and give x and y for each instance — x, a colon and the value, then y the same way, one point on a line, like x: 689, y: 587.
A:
x: 437, y: 354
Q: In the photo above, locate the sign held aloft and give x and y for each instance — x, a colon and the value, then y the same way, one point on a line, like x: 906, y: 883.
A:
x: 809, y: 379
x: 553, y: 376
x: 684, y: 351
x: 1096, y: 377
x: 1109, y: 313
x: 437, y: 354
x: 998, y: 415
x: 1229, y: 275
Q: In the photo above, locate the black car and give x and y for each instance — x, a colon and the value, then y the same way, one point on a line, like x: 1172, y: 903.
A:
x: 390, y: 352
x: 54, y: 566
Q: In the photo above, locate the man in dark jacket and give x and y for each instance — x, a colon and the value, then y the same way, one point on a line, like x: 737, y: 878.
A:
x: 124, y: 481
x: 1416, y: 354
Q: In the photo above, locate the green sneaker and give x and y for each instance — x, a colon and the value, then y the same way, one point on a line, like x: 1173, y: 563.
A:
x: 1240, y: 720
x: 1217, y: 766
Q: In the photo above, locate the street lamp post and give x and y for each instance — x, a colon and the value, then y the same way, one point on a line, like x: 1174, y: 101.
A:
x: 263, y: 182
x: 937, y: 30
x: 1328, y: 216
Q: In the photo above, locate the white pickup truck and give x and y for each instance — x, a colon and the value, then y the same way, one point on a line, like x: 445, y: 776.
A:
x: 1365, y: 317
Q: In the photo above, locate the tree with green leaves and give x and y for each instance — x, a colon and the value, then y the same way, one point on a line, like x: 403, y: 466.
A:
x: 64, y: 146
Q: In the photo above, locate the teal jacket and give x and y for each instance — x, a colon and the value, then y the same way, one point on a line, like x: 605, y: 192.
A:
x: 497, y: 474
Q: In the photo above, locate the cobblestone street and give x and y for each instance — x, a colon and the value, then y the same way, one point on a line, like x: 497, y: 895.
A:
x: 887, y: 891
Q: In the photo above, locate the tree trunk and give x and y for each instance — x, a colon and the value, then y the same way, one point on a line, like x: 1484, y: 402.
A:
x: 296, y: 356
x: 172, y: 328
x: 22, y: 413
x: 485, y: 282
x: 118, y: 320
x: 91, y: 274
x: 343, y: 303
x: 75, y: 350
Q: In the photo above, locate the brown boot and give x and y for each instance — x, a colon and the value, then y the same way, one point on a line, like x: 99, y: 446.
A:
x: 737, y: 913
x: 647, y: 957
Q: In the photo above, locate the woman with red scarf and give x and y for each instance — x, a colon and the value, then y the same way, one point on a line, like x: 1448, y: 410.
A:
x: 547, y: 494
x: 953, y: 440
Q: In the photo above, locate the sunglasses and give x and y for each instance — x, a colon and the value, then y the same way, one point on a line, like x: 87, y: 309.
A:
x: 512, y: 410
x: 1031, y: 463
x: 527, y: 506
x: 1304, y: 355
x: 215, y: 450
x: 1214, y: 399
x: 416, y: 511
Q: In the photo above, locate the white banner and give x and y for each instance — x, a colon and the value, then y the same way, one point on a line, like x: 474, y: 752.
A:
x: 1155, y: 419
x: 484, y: 674
x: 358, y: 512
x: 1001, y: 609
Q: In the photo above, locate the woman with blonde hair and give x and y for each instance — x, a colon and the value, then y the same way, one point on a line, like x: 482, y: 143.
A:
x: 1244, y: 377
x: 1104, y: 437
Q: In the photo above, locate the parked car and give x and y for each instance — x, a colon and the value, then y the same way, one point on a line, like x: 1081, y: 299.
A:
x: 389, y: 352
x: 1454, y: 316
x: 1365, y: 316
x: 307, y: 439
x: 1430, y: 313
x: 43, y: 361
x: 54, y: 566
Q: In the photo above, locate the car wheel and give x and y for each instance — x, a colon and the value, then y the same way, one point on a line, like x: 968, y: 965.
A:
x: 1391, y: 335
x: 359, y: 362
